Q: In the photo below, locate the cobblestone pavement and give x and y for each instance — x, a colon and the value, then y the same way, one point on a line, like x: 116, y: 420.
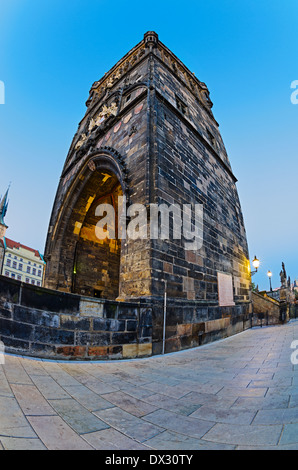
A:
x: 239, y: 393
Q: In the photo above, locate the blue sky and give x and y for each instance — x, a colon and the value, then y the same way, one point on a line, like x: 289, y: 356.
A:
x: 52, y: 51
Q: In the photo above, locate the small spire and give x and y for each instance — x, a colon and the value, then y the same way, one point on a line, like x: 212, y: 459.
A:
x: 3, y: 206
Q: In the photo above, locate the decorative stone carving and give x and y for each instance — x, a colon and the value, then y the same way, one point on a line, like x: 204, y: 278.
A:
x: 81, y: 141
x: 105, y: 113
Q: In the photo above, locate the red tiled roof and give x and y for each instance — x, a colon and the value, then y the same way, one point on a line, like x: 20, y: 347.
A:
x: 12, y: 244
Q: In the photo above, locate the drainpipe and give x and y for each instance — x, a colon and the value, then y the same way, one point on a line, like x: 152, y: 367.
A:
x: 164, y: 318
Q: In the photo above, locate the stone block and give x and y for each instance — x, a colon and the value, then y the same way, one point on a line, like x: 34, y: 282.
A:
x: 98, y: 351
x: 215, y: 325
x: 35, y: 317
x: 47, y: 300
x: 130, y: 350
x: 70, y: 322
x: 71, y: 351
x: 89, y: 308
x: 108, y: 324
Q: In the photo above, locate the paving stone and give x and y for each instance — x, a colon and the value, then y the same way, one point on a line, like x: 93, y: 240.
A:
x: 138, y: 392
x: 12, y: 420
x: 97, y: 386
x: 263, y: 403
x: 15, y: 373
x: 49, y: 388
x: 33, y: 367
x: 169, y: 440
x: 233, y: 416
x: 130, y: 404
x: 242, y: 392
x: 130, y: 425
x: 183, y: 424
x: 31, y: 400
x: 56, y: 434
x: 214, y: 400
x: 289, y: 434
x: 276, y: 416
x: 5, y: 390
x: 80, y: 419
x: 180, y: 406
x: 13, y: 443
x: 246, y: 435
x: 110, y: 439
x: 90, y: 400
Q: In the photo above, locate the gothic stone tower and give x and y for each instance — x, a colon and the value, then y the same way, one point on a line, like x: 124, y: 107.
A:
x: 149, y: 134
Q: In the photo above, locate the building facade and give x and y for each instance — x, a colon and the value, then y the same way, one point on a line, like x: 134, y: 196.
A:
x: 18, y: 261
x: 22, y: 263
x: 150, y: 140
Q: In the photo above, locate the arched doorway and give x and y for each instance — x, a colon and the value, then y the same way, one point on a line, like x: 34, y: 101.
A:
x: 96, y: 262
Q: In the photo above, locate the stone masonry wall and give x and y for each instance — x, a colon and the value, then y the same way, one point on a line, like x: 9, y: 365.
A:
x: 264, y: 305
x: 44, y: 323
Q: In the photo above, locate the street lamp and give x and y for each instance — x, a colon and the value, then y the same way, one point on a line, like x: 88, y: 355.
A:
x: 269, y: 274
x: 256, y: 264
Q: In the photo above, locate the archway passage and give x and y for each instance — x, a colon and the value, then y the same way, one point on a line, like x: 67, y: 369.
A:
x: 97, y: 261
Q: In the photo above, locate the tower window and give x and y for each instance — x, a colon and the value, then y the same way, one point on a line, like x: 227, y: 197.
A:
x: 211, y: 138
x: 181, y: 106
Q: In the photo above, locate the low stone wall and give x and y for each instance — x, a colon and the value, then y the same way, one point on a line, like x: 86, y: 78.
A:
x: 191, y: 323
x: 262, y: 304
x: 51, y: 324
x: 44, y: 323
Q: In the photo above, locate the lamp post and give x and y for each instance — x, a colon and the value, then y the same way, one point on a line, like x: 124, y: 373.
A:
x: 269, y: 274
x: 256, y: 264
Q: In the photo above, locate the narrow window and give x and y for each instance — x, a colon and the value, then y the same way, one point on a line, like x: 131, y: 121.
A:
x: 181, y: 106
x: 212, y: 139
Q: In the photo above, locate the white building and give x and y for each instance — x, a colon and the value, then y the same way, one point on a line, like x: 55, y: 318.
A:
x: 22, y: 263
x: 18, y: 261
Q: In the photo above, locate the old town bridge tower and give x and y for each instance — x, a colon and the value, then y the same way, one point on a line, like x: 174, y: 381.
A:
x: 149, y: 137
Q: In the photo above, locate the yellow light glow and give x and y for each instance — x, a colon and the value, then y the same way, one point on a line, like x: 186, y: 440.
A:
x: 256, y: 263
x: 269, y: 274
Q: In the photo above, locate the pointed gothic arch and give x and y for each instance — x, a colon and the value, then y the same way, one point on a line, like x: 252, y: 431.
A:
x: 72, y: 242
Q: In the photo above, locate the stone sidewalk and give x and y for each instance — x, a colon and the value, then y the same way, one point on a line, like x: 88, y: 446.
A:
x: 239, y: 393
